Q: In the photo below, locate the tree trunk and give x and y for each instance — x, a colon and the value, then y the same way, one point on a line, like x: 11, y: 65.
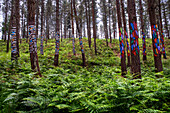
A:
x: 42, y: 27
x: 122, y: 47
x: 155, y: 40
x: 32, y: 36
x: 79, y: 31
x: 166, y: 23
x: 73, y: 39
x: 135, y: 57
x: 94, y: 25
x: 89, y: 23
x: 105, y: 22
x: 161, y: 32
x: 56, y: 61
x: 37, y: 18
x: 125, y: 33
x: 10, y: 23
x: 143, y: 33
x: 110, y: 23
x: 17, y: 13
x: 6, y: 18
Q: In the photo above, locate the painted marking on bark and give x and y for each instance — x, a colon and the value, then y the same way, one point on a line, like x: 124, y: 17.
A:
x: 156, y: 47
x: 32, y: 43
x: 122, y: 51
x: 81, y: 44
x: 144, y: 43
x: 127, y: 42
x: 162, y: 44
x: 57, y: 43
x: 41, y: 46
x: 73, y: 41
x: 134, y: 38
x: 13, y: 43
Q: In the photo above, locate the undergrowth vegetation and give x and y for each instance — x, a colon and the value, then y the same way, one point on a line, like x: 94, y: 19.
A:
x: 99, y: 87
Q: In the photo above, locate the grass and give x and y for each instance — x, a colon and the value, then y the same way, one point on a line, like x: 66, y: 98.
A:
x: 69, y: 87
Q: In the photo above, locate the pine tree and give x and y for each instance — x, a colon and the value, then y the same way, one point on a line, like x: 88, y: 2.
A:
x: 122, y: 45
x: 42, y: 27
x: 155, y: 40
x: 135, y: 58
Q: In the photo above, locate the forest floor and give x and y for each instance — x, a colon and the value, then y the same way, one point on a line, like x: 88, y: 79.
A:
x: 98, y: 87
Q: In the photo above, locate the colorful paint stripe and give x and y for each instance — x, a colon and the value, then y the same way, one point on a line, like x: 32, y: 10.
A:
x: 122, y: 51
x: 127, y: 42
x: 134, y: 38
x: 81, y: 44
x: 57, y: 43
x: 144, y: 43
x: 156, y: 47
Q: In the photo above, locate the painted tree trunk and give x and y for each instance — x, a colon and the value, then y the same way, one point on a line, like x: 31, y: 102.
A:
x: 80, y: 37
x: 122, y: 45
x: 125, y: 33
x: 135, y: 53
x: 155, y: 40
x: 161, y: 32
x: 42, y: 27
x: 32, y: 36
x: 56, y: 61
x: 143, y: 33
x: 94, y: 25
x: 17, y: 10
x: 73, y: 39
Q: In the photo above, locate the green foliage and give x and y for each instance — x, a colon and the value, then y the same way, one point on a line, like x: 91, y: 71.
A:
x: 96, y: 88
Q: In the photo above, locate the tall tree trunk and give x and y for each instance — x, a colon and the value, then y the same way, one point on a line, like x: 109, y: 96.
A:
x: 155, y: 40
x: 42, y: 27
x: 166, y: 23
x: 161, y: 31
x: 17, y: 13
x: 105, y: 22
x: 114, y: 23
x: 73, y: 39
x: 125, y: 32
x: 32, y: 36
x: 87, y: 21
x: 6, y: 18
x: 122, y: 47
x: 10, y: 23
x: 143, y: 33
x: 61, y: 26
x: 79, y: 31
x: 110, y: 22
x: 94, y: 25
x: 14, y: 49
x: 135, y: 54
x: 37, y: 18
x: 22, y: 23
x: 56, y: 61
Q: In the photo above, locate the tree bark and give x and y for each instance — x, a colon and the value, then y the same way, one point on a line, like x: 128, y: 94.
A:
x: 79, y: 31
x: 37, y: 18
x: 125, y: 33
x: 155, y: 40
x: 110, y: 23
x: 73, y: 39
x: 89, y: 21
x: 135, y: 54
x: 122, y: 47
x: 161, y: 32
x: 105, y: 22
x: 56, y: 61
x: 94, y: 25
x: 166, y: 23
x: 42, y: 27
x: 143, y: 33
x: 32, y: 36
